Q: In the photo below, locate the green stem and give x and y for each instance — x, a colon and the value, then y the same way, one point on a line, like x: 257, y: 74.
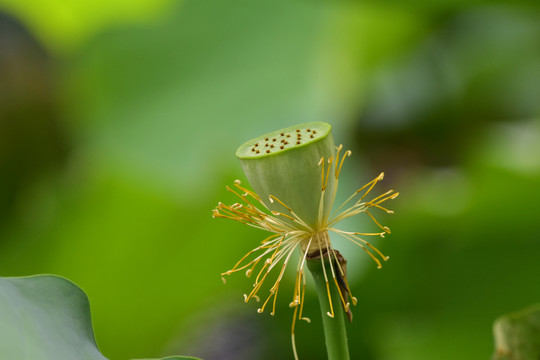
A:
x: 334, y: 328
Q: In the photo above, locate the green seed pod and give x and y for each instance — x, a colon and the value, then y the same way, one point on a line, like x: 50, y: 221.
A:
x: 286, y: 164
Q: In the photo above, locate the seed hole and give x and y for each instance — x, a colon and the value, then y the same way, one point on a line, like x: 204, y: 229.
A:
x: 268, y: 151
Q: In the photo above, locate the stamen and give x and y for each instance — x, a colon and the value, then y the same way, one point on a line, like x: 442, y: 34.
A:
x: 297, y: 219
x: 331, y: 312
x: 321, y: 163
x: 257, y: 259
x: 277, y: 213
x: 247, y: 191
x: 321, y: 207
x: 357, y: 240
x: 325, y: 184
x: 266, y: 302
x: 329, y: 250
x: 344, y: 278
x: 242, y: 197
x: 299, y: 292
x: 340, y: 216
x: 272, y: 198
x: 274, y: 302
x: 385, y: 228
x: 373, y: 182
x: 359, y: 207
x: 377, y: 201
x: 289, y: 248
x: 302, y: 300
x: 383, y: 209
x: 292, y: 334
x: 338, y: 170
x: 381, y: 234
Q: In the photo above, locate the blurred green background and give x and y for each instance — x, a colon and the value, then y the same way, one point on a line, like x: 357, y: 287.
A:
x: 118, y: 126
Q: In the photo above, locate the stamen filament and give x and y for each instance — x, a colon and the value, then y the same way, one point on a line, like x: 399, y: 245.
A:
x: 331, y: 313
x: 344, y: 277
x: 329, y: 251
x: 385, y: 228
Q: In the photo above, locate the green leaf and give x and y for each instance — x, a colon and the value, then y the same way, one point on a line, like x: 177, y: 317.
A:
x: 517, y: 335
x: 46, y: 317
x: 173, y: 358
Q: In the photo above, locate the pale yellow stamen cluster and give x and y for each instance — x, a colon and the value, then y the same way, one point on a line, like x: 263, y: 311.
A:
x: 291, y: 232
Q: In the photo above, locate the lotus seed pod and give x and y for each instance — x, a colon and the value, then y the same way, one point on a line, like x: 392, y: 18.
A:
x: 286, y: 164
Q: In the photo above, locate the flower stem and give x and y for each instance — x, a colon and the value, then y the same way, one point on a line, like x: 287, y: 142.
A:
x: 334, y: 328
